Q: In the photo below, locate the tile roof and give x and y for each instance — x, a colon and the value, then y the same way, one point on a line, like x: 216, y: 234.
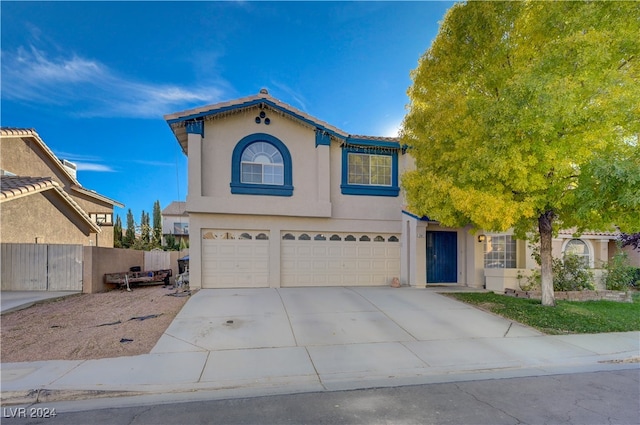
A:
x: 75, y: 184
x: 263, y: 99
x: 588, y: 233
x: 14, y: 187
x: 175, y: 208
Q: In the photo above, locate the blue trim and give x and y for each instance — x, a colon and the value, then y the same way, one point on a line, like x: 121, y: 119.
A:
x: 254, y: 103
x: 372, y: 142
x: 423, y: 218
x: 322, y: 138
x: 369, y: 190
x: 237, y: 187
x: 195, y: 127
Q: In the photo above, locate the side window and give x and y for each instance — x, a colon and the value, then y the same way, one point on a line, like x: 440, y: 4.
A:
x: 499, y: 252
x: 369, y: 171
x: 261, y: 165
x: 580, y: 249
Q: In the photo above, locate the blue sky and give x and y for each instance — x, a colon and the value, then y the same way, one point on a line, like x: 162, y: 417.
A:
x: 95, y: 78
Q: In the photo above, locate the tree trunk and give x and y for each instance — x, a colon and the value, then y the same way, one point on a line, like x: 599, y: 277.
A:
x: 546, y: 260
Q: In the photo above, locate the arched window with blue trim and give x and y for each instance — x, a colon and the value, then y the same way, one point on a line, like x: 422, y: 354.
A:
x: 261, y: 165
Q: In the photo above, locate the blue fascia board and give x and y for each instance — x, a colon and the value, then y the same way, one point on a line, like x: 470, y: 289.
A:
x: 322, y: 138
x: 263, y: 189
x: 255, y: 102
x: 365, y: 190
x: 423, y: 218
x: 373, y: 142
x: 195, y: 127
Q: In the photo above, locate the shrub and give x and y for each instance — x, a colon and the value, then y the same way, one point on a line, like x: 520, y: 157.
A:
x: 569, y: 274
x: 619, y: 274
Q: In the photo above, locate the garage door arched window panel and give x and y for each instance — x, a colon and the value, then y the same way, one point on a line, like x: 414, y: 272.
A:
x: 261, y: 165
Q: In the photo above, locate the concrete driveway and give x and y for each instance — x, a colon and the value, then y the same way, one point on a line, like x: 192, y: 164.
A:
x: 347, y: 335
x: 244, y: 342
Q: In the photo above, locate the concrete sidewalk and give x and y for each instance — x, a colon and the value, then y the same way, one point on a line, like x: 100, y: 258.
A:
x: 17, y: 300
x: 242, y: 342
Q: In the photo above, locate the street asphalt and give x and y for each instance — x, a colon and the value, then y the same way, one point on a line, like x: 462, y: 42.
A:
x: 597, y: 398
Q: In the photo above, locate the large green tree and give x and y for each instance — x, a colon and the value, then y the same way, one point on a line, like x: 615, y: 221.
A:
x: 525, y: 116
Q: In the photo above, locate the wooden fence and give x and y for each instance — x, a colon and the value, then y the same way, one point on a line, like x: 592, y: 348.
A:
x: 39, y: 267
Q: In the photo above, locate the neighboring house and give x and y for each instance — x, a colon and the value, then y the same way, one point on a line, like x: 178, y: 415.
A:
x: 42, y: 200
x: 175, y: 222
x: 277, y: 197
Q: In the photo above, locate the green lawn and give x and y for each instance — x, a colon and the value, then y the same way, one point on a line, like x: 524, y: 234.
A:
x: 567, y: 317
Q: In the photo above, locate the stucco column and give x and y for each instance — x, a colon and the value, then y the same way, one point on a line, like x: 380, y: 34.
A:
x: 194, y: 162
x: 324, y: 174
x: 195, y: 134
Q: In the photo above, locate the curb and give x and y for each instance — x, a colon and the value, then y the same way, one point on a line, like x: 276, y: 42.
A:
x: 43, y: 395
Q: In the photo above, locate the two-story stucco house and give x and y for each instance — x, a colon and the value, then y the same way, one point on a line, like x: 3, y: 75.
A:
x: 277, y: 197
x: 42, y: 200
x: 175, y: 222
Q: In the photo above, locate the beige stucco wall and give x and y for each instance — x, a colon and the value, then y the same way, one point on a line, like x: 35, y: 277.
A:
x: 24, y: 157
x: 414, y: 254
x: 317, y: 203
x: 99, y: 260
x: 634, y: 256
x: 275, y: 225
x: 211, y: 159
x: 42, y: 218
x: 316, y: 174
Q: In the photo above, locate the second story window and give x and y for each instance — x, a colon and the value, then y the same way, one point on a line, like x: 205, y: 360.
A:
x: 102, y: 219
x: 369, y: 169
x: 262, y: 163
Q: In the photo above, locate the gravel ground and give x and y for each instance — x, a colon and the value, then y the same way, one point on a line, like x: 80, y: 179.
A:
x: 89, y: 326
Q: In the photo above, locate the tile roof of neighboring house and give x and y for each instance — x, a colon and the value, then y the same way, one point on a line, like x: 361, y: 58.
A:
x: 175, y: 208
x: 75, y: 184
x: 177, y: 121
x: 589, y: 233
x: 14, y: 187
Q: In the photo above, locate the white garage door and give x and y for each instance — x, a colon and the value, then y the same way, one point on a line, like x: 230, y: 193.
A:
x: 235, y: 258
x: 339, y: 259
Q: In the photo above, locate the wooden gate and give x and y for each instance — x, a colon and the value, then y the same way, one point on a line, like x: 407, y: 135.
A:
x: 38, y: 267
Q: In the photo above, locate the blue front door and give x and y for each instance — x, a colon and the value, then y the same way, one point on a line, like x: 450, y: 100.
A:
x: 442, y: 257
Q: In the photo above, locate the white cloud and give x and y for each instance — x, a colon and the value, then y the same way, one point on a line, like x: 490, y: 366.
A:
x: 87, y: 87
x: 294, y: 95
x: 88, y: 166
